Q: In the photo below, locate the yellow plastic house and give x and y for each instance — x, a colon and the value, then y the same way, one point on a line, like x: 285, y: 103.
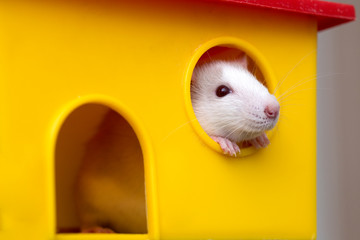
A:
x: 64, y: 63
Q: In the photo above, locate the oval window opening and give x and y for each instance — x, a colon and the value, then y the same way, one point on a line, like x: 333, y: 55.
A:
x: 100, y: 181
x: 228, y: 53
x: 221, y: 102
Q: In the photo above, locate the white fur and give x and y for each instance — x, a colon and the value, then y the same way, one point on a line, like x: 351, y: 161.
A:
x: 237, y: 116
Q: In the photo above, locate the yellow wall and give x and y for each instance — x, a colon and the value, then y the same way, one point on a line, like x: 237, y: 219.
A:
x: 138, y: 59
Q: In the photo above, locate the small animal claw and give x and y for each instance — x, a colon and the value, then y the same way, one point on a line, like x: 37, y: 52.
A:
x: 260, y: 142
x: 228, y: 146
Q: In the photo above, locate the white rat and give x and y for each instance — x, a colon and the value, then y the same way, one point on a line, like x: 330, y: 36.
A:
x: 231, y: 105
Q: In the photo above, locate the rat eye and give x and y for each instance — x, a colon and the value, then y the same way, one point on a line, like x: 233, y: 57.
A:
x: 222, y: 91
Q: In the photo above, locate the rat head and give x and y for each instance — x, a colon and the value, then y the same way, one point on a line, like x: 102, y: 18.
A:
x: 230, y: 102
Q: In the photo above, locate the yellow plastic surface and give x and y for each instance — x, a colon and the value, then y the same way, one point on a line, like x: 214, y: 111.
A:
x: 56, y: 56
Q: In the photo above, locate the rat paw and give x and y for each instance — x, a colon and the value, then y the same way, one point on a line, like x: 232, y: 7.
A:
x: 260, y: 142
x: 96, y: 229
x: 227, y: 146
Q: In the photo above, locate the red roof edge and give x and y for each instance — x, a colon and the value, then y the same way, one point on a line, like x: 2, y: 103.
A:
x: 328, y: 14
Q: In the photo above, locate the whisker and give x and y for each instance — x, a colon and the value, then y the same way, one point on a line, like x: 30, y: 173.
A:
x: 306, y: 80
x: 297, y: 84
x: 276, y: 129
x: 209, y: 55
x: 176, y: 129
x: 289, y: 100
x: 235, y: 129
x: 292, y: 104
x: 300, y: 90
x: 253, y: 71
x: 291, y: 70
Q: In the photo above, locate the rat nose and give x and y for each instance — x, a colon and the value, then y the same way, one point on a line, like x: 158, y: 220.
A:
x: 272, y: 110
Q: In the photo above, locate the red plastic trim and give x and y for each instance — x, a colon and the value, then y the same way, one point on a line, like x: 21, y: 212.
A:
x: 328, y: 14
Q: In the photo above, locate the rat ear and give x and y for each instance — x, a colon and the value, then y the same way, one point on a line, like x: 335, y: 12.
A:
x: 243, y: 60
